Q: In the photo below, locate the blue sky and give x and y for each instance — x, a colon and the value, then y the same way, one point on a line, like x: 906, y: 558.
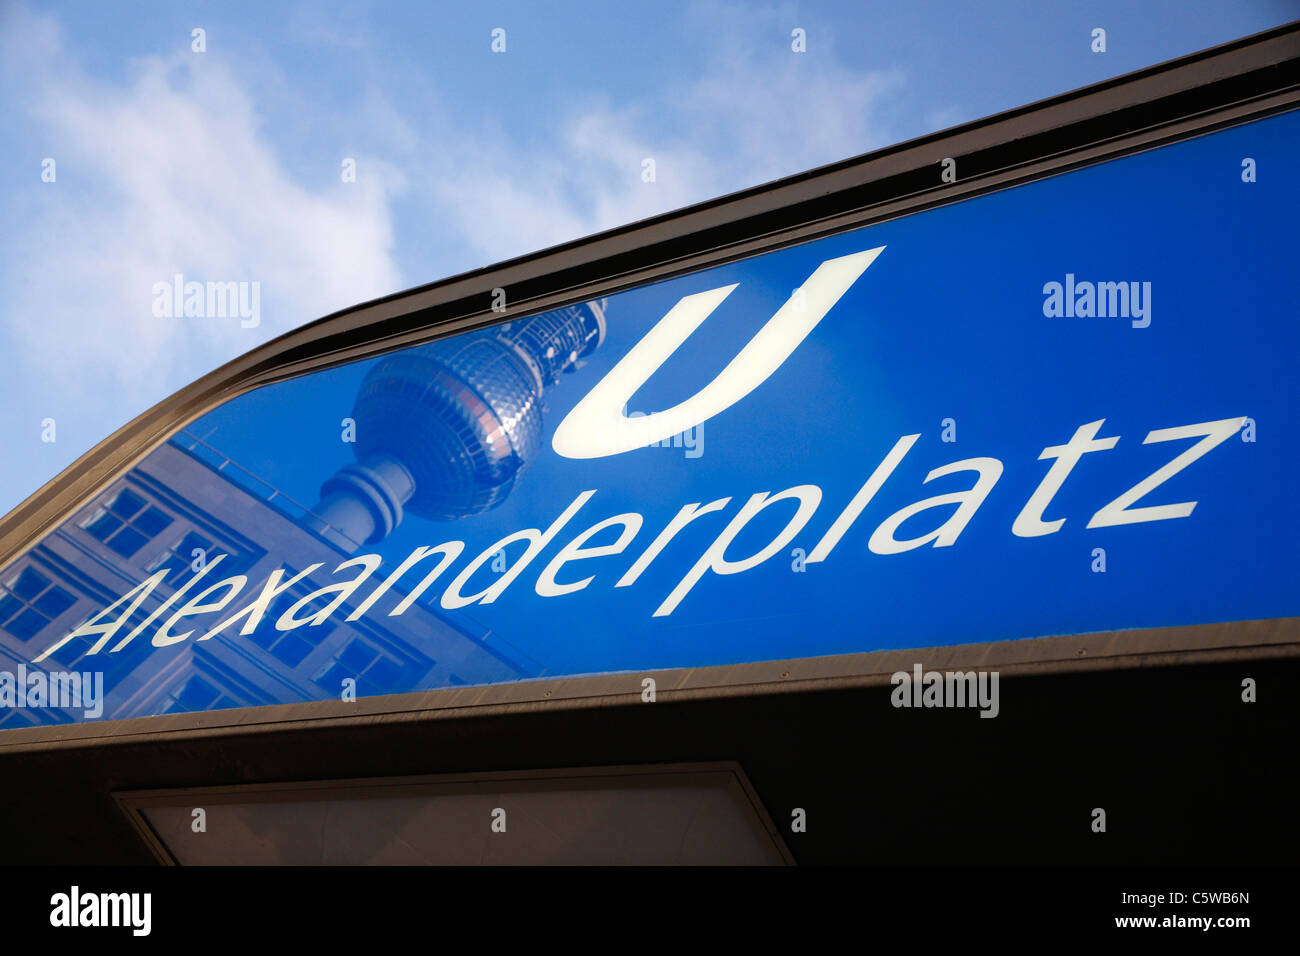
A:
x: 225, y: 165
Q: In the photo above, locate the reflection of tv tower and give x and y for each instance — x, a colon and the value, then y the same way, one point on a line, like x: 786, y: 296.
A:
x: 445, y: 429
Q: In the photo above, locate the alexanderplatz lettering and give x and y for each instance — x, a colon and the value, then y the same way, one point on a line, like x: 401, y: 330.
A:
x: 596, y: 427
x: 436, y: 561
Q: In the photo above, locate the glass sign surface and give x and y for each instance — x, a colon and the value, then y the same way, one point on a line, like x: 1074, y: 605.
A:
x: 1061, y: 408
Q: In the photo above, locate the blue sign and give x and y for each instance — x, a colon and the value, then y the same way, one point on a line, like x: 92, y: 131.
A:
x: 1061, y: 408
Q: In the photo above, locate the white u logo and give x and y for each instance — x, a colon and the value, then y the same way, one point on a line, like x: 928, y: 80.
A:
x: 597, y: 426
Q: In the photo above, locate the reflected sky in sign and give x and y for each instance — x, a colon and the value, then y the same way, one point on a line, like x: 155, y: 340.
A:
x: 944, y: 337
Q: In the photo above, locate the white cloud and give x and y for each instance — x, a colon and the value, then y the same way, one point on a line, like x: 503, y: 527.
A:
x: 755, y: 112
x: 167, y: 172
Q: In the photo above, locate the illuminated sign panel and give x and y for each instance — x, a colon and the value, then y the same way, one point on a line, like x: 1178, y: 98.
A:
x: 1061, y: 408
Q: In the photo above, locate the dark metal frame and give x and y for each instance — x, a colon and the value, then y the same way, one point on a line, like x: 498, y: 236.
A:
x: 728, y: 774
x: 1235, y: 83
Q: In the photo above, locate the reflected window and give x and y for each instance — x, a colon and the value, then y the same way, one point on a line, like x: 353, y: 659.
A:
x: 126, y: 522
x: 180, y: 558
x: 29, y: 602
x: 198, y: 693
x: 69, y: 653
x: 292, y: 647
x: 374, y: 671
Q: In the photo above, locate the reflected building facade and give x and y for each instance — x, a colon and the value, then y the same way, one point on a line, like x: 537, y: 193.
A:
x: 443, y: 431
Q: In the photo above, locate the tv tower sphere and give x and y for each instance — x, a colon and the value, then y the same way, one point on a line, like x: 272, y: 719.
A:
x: 444, y: 430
